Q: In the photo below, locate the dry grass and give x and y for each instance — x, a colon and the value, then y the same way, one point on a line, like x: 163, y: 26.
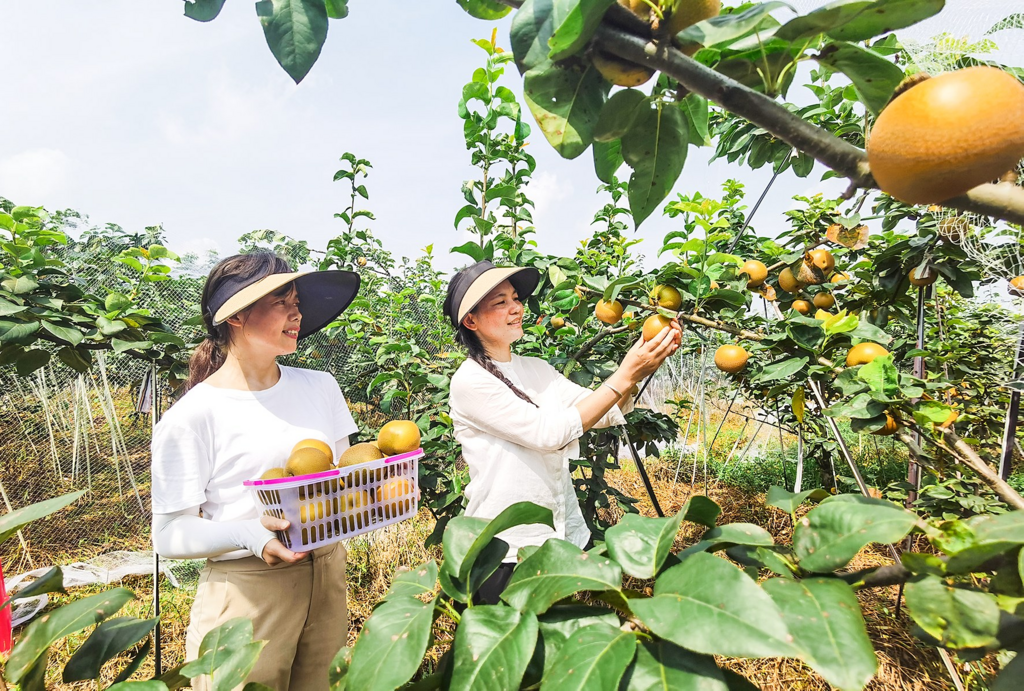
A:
x: 904, y: 664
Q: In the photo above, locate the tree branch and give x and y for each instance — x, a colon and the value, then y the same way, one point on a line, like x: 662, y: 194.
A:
x: 597, y: 338
x: 1003, y: 200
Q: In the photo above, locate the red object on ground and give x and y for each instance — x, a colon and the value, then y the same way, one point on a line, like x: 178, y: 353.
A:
x: 5, y: 617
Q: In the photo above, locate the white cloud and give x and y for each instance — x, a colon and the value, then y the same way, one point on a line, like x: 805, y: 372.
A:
x: 546, y: 189
x: 31, y: 176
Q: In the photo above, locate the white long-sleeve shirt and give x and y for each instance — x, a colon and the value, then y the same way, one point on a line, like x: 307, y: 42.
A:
x: 517, y: 452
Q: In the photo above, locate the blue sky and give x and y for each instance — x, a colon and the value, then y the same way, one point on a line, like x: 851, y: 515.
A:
x: 131, y: 113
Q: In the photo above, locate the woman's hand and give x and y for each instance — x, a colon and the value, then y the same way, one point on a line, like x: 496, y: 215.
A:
x: 275, y: 552
x: 646, y: 356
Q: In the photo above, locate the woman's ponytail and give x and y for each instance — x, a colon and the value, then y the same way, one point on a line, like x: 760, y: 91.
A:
x: 479, y: 355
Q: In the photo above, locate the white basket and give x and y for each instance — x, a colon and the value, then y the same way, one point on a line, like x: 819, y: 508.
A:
x: 342, y: 502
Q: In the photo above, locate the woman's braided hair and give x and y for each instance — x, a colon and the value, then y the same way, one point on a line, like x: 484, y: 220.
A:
x: 478, y: 354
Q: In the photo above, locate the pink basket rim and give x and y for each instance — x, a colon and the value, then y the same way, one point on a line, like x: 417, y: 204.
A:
x: 333, y: 472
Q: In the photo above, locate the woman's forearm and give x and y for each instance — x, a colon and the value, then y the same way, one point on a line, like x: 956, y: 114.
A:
x: 596, y: 405
x: 184, y: 535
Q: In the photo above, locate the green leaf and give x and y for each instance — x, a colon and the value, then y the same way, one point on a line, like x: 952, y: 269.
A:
x: 737, y: 534
x: 607, y: 160
x: 50, y: 582
x: 655, y: 148
x: 115, y: 302
x: 16, y: 332
x: 138, y: 657
x: 664, y: 666
x: 1010, y: 675
x: 78, y: 360
x: 784, y: 369
x: 555, y: 571
x: 575, y: 23
x: 64, y: 621
x: 11, y: 522
x: 418, y: 580
x: 218, y: 645
x: 956, y: 617
x: 471, y: 249
x: 881, y: 377
x: 203, y: 10
x: 701, y: 510
x: 556, y: 625
x: 709, y: 606
x: 9, y: 308
x: 782, y: 498
x: 618, y: 114
x: 565, y: 101
x: 931, y: 412
x: 831, y: 534
x: 493, y: 645
x: 65, y: 333
x: 728, y: 28
x: 391, y: 645
x: 110, y: 638
x: 485, y: 9
x: 594, y: 657
x: 337, y: 673
x: 296, y: 31
x: 695, y: 107
x: 109, y: 327
x: 823, y: 616
x: 338, y: 9
x: 821, y: 20
x: 641, y: 544
x: 31, y: 360
x: 532, y: 27
x: 21, y: 285
x: 147, y: 685
x: 466, y: 537
x: 873, y: 75
x: 988, y: 537
x: 886, y: 16
x: 870, y: 332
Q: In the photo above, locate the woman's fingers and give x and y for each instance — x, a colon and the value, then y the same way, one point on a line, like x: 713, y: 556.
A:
x: 276, y: 553
x: 272, y: 523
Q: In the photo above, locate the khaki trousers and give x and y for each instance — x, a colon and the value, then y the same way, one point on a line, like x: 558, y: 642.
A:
x: 299, y: 609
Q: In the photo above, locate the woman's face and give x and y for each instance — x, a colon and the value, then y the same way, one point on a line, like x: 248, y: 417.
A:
x: 271, y: 326
x: 498, y: 319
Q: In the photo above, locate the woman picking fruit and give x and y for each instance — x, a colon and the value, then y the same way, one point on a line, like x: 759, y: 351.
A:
x: 518, y: 419
x: 241, y: 415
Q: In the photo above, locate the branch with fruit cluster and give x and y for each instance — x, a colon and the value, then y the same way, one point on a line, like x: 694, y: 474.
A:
x: 629, y: 37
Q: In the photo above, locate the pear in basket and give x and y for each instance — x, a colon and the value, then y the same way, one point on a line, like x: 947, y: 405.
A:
x: 398, y: 436
x: 315, y: 444
x: 307, y: 460
x: 359, y: 453
x: 394, y: 489
x: 275, y: 474
x: 358, y: 500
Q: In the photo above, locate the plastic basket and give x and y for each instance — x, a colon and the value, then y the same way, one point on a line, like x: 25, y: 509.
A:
x: 342, y: 502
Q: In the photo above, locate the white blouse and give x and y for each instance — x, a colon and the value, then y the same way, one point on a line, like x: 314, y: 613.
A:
x: 517, y: 452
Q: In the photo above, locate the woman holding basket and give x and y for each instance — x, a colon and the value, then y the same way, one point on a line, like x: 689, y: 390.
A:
x: 241, y: 416
x: 518, y: 419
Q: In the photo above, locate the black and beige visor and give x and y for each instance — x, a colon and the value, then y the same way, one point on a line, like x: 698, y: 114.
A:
x: 323, y: 295
x: 471, y: 285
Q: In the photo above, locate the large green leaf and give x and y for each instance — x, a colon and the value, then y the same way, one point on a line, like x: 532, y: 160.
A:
x: 50, y: 582
x: 735, y: 534
x: 823, y: 616
x: 709, y: 606
x: 16, y: 332
x: 418, y: 580
x: 956, y: 617
x: 594, y: 657
x: 147, y: 685
x: 825, y: 18
x: 831, y: 534
x: 782, y: 498
x: 989, y: 536
x: 607, y: 160
x: 727, y: 28
x: 575, y: 23
x: 110, y: 638
x: 874, y: 76
x: 664, y: 666
x: 466, y: 537
x: 881, y: 377
x: 31, y: 360
x: 296, y: 31
x: 391, y: 645
x: 485, y: 9
x: 556, y: 625
x: 11, y: 522
x: 565, y: 100
x: 61, y: 622
x: 618, y: 114
x: 641, y: 544
x: 65, y: 333
x: 337, y: 673
x: 655, y: 148
x: 8, y: 308
x: 784, y: 369
x: 557, y: 570
x: 227, y: 654
x: 493, y: 645
x: 701, y: 510
x: 532, y: 27
x: 886, y: 16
